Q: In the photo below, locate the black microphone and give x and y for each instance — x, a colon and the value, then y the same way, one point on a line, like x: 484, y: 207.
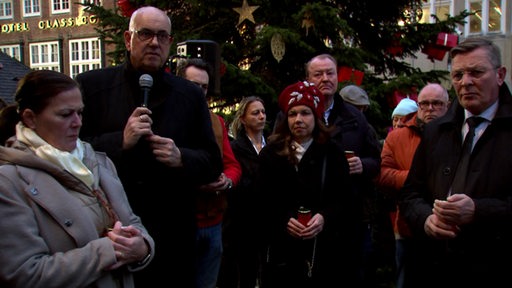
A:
x: 145, y: 83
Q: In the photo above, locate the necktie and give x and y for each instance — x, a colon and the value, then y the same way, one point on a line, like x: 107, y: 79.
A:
x: 459, y: 181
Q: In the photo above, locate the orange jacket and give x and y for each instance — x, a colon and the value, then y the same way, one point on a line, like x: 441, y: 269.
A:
x: 397, y: 154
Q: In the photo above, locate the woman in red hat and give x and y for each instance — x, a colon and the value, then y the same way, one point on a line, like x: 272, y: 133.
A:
x: 310, y: 204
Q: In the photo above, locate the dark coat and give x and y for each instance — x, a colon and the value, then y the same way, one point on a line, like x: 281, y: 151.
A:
x: 284, y: 189
x: 243, y: 198
x: 242, y: 226
x: 477, y: 255
x: 354, y: 133
x: 161, y: 195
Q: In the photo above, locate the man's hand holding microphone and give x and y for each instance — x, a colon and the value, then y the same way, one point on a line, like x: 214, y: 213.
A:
x: 139, y: 125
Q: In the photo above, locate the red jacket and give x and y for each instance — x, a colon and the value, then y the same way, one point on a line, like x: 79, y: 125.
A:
x: 210, y: 206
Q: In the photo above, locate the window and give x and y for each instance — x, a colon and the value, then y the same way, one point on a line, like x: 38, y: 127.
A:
x: 31, y: 8
x: 60, y: 6
x: 495, y: 12
x: 45, y: 56
x: 5, y: 9
x: 488, y: 17
x: 12, y: 50
x: 96, y: 2
x: 84, y: 55
x: 440, y: 8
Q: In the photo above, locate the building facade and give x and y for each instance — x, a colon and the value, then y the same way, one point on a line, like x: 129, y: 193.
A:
x: 493, y: 20
x: 59, y: 35
x: 52, y: 34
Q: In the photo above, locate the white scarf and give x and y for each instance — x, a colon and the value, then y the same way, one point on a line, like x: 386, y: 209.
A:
x: 300, y: 149
x: 71, y: 162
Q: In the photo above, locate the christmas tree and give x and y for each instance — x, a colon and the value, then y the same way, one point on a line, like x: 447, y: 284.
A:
x: 264, y: 44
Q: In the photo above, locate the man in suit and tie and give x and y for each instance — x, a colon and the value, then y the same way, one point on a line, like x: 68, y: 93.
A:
x: 460, y: 217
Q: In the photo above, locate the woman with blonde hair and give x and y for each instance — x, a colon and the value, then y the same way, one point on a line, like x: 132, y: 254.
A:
x: 241, y: 263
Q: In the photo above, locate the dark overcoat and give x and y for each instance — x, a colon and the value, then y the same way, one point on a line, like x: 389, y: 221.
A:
x: 479, y: 256
x: 164, y: 197
x: 284, y: 189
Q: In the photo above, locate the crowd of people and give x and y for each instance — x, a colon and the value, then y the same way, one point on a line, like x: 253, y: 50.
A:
x: 104, y: 186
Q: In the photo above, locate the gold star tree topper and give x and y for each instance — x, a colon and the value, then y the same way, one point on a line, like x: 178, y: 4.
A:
x: 245, y: 12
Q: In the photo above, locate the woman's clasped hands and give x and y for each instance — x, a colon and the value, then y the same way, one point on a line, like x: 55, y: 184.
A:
x: 129, y: 245
x: 309, y: 231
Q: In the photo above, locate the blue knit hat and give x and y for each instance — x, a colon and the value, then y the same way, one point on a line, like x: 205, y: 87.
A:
x: 406, y: 106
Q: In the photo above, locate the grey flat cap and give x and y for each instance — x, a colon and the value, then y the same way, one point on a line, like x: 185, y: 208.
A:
x: 354, y: 95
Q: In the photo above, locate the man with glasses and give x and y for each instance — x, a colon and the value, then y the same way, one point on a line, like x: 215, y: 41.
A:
x: 460, y: 214
x: 397, y: 154
x: 146, y: 34
x: 211, y: 198
x: 162, y: 150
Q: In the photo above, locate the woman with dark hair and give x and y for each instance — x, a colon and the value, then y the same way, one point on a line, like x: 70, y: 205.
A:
x: 66, y: 218
x: 310, y: 207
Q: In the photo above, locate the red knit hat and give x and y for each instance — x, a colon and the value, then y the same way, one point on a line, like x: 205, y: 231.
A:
x: 302, y: 93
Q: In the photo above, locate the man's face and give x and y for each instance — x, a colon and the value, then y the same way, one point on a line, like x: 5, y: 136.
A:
x: 149, y: 55
x: 323, y: 73
x: 432, y: 103
x: 475, y: 80
x: 198, y: 77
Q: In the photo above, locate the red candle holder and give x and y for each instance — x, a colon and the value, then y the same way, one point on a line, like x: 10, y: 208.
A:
x: 303, y: 216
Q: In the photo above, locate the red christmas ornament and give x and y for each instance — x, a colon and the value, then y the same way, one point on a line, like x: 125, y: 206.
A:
x: 446, y: 40
x: 397, y: 96
x: 222, y: 69
x: 126, y: 7
x: 395, y: 49
x: 434, y: 52
x: 346, y: 73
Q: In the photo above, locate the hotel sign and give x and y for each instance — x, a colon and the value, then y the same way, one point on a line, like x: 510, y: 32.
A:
x: 50, y: 24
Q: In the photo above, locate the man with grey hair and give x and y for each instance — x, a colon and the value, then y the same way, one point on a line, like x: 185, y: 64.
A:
x: 457, y: 197
x: 163, y: 148
x: 352, y: 133
x: 397, y: 154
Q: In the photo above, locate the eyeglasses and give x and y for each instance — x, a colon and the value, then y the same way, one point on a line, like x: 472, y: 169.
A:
x: 474, y: 73
x: 436, y: 104
x: 146, y: 34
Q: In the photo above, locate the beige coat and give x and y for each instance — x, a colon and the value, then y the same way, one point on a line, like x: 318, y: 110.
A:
x: 46, y: 239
